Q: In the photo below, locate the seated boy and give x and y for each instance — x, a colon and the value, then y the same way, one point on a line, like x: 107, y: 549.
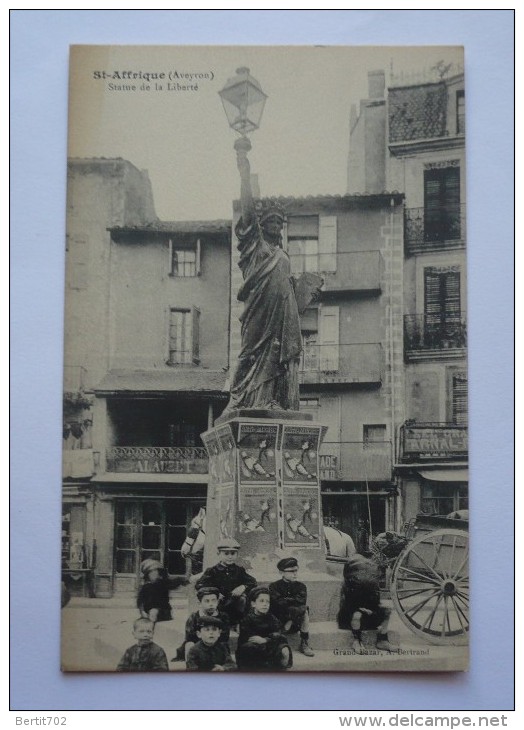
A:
x: 289, y: 603
x: 360, y: 607
x: 145, y: 655
x: 153, y: 596
x: 261, y: 644
x: 232, y: 581
x: 208, y: 598
x: 209, y: 654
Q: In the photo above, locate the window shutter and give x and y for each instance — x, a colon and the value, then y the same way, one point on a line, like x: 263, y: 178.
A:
x: 329, y: 338
x: 442, y: 203
x: 327, y: 243
x: 170, y: 259
x: 197, y: 263
x: 441, y: 295
x: 195, y: 334
x: 460, y: 398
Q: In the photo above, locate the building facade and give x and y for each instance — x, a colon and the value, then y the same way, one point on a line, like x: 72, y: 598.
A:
x: 424, y: 157
x: 157, y: 362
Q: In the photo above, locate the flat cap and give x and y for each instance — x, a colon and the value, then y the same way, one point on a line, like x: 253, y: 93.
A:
x: 146, y: 566
x: 287, y: 563
x: 228, y: 543
x: 207, y: 591
x: 209, y: 621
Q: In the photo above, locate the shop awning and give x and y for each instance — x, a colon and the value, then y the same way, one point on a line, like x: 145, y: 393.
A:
x: 175, y: 380
x: 444, y: 475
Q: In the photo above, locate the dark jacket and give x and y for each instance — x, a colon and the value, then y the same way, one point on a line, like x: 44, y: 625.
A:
x: 146, y: 658
x: 155, y: 595
x: 288, y: 600
x: 261, y: 656
x: 192, y: 626
x: 202, y: 658
x: 226, y: 578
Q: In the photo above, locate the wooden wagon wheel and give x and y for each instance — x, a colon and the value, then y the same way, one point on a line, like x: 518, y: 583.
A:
x: 430, y: 586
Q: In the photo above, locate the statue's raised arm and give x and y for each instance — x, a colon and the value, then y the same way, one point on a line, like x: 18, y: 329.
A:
x: 242, y: 147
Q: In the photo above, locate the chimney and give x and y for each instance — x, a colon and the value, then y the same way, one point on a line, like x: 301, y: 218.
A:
x: 376, y: 84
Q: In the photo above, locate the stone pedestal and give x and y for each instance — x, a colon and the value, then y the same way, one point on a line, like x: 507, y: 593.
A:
x: 264, y: 491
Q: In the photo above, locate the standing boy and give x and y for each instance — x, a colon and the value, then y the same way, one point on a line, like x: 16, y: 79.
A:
x: 289, y: 603
x: 209, y: 654
x: 232, y: 581
x: 145, y: 655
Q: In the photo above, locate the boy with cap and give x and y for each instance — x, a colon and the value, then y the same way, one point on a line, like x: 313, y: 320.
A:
x: 289, y: 603
x: 209, y: 654
x: 153, y: 597
x: 232, y: 581
x: 145, y: 655
x: 261, y: 644
x: 208, y: 598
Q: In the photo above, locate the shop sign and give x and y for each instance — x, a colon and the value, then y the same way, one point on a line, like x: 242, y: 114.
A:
x: 435, y: 443
x: 328, y: 466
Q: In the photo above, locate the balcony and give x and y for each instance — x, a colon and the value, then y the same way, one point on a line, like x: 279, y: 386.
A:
x: 430, y: 336
x: 438, y: 229
x: 357, y: 461
x: 351, y: 271
x: 341, y: 364
x: 423, y: 442
x: 157, y: 460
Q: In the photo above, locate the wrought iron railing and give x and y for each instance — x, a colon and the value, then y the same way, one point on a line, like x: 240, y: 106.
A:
x: 157, y: 459
x: 430, y: 332
x: 348, y: 270
x: 353, y: 363
x: 434, y: 229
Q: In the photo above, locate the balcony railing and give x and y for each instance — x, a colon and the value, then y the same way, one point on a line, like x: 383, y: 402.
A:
x: 433, y: 442
x: 355, y: 363
x: 348, y: 271
x: 355, y: 461
x: 430, y: 332
x: 157, y: 459
x: 434, y: 229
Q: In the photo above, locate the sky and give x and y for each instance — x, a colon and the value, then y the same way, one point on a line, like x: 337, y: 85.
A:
x: 183, y: 140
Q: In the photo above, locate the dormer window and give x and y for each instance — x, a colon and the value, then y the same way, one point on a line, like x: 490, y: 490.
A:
x: 461, y: 117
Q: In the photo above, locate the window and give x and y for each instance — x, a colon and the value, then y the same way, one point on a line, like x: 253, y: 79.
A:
x: 185, y: 260
x: 443, y: 498
x: 442, y: 204
x: 329, y: 339
x: 312, y: 243
x: 373, y: 434
x: 442, y: 315
x: 184, y: 335
x: 459, y: 398
x: 461, y: 108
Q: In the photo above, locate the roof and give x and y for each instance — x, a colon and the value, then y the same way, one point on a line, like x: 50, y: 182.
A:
x: 202, y: 226
x: 333, y: 202
x: 417, y: 112
x: 174, y: 380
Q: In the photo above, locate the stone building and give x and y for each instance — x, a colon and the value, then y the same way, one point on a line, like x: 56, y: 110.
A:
x: 419, y: 125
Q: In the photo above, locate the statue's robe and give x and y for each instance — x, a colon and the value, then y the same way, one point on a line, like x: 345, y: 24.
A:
x: 267, y: 371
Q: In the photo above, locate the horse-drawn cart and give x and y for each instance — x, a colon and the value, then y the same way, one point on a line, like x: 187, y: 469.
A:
x: 429, y: 583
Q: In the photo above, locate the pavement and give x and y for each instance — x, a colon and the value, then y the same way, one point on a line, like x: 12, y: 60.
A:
x: 96, y: 632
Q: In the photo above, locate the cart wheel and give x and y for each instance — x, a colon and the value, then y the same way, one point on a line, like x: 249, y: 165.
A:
x: 430, y: 586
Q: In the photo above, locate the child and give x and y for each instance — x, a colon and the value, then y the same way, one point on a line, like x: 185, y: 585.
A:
x: 360, y: 607
x: 208, y: 598
x: 145, y: 655
x: 289, y: 603
x: 153, y: 597
x: 232, y: 581
x: 209, y: 654
x: 261, y: 645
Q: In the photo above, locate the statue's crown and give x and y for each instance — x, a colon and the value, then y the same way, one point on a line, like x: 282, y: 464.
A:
x: 266, y: 208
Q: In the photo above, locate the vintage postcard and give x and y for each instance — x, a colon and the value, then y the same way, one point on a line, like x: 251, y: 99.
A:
x: 265, y: 437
